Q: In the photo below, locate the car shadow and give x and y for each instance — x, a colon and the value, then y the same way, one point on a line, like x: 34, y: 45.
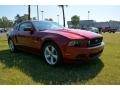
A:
x: 40, y: 72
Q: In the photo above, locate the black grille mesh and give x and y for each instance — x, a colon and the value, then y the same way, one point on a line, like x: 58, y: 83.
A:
x: 94, y: 42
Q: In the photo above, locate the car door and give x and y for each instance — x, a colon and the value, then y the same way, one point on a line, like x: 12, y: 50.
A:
x: 23, y: 36
x: 28, y: 40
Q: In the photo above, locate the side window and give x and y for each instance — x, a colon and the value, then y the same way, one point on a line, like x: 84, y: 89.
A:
x: 24, y: 25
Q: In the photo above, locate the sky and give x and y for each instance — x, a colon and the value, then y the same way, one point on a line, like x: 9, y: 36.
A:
x: 97, y: 13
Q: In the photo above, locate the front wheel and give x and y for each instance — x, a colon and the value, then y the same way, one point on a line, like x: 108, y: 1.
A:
x: 52, y: 54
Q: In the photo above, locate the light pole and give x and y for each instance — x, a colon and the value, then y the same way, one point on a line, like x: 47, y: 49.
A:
x: 88, y: 18
x: 88, y: 15
x: 37, y: 12
x: 42, y: 14
x: 58, y: 18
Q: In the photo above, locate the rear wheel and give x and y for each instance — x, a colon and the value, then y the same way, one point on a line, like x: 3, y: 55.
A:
x: 11, y: 45
x: 52, y: 54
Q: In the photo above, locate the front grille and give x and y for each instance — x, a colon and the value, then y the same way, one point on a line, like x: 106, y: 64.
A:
x: 95, y: 42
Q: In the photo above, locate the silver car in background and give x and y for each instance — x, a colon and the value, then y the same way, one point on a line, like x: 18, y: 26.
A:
x: 93, y: 29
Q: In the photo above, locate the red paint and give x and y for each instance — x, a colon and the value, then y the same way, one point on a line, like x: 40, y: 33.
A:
x: 33, y: 42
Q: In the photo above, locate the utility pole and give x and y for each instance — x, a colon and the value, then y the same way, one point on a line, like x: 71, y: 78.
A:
x: 29, y: 12
x: 37, y: 12
x: 62, y: 6
x: 63, y: 15
x: 42, y: 14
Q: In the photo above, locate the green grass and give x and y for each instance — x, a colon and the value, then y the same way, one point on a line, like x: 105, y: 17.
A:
x: 25, y: 68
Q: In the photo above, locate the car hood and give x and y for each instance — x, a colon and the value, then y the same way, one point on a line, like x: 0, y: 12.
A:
x: 75, y: 33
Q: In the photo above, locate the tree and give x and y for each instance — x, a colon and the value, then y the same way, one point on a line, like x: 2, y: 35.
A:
x: 0, y: 22
x: 75, y: 20
x: 11, y: 24
x: 63, y: 11
x: 25, y: 17
x: 19, y: 19
x: 5, y: 23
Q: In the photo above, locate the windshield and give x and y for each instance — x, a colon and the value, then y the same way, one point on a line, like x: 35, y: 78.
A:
x: 47, y: 25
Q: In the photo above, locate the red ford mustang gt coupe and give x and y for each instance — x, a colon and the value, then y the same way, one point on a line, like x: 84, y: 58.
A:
x: 55, y: 43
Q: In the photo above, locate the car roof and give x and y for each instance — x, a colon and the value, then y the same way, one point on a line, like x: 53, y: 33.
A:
x: 34, y: 21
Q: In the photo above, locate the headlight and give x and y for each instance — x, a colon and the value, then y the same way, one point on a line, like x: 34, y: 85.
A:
x: 76, y: 43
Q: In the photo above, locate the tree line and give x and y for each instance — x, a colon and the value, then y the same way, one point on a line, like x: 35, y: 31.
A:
x: 6, y: 23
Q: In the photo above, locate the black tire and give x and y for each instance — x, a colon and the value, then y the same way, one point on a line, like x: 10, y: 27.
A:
x: 12, y: 46
x: 59, y: 54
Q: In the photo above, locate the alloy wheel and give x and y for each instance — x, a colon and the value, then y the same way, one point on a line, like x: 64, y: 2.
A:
x: 51, y: 54
x: 11, y: 45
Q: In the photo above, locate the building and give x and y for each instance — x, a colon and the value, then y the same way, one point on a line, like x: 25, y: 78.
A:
x: 92, y: 23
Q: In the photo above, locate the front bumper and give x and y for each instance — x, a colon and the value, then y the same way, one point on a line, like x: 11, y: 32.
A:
x: 73, y: 54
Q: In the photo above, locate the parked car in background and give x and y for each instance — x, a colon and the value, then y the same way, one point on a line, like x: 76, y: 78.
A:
x: 108, y: 29
x: 55, y: 43
x: 93, y: 29
x: 1, y: 30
